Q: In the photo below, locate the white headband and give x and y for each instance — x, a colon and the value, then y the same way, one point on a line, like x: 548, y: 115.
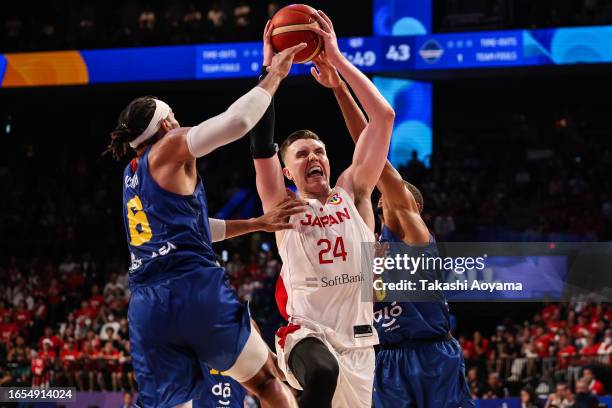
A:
x: 162, y: 110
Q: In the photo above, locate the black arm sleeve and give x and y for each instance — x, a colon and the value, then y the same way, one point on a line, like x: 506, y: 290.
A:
x: 262, y: 135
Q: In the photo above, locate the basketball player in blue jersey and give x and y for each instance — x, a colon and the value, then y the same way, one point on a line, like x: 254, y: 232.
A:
x: 221, y: 390
x: 419, y: 363
x: 183, y: 317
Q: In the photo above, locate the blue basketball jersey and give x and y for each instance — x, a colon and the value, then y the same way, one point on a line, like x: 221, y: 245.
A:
x: 167, y: 233
x: 405, y: 321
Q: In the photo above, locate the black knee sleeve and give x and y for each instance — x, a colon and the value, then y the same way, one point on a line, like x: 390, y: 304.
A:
x: 317, y: 371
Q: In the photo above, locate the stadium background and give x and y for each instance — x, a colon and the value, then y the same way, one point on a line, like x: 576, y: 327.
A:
x: 517, y: 155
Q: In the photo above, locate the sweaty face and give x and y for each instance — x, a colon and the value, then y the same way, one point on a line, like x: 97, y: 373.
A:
x: 307, y: 166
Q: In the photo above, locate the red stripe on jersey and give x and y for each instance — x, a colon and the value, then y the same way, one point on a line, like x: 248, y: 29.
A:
x: 134, y: 164
x: 281, y: 297
x: 283, y: 332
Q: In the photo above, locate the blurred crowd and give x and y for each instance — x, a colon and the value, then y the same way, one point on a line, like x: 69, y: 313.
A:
x: 92, y: 24
x: 64, y: 316
x: 464, y: 15
x: 564, y: 348
x: 513, y: 172
x: 65, y: 324
x: 58, y: 24
x: 541, y: 179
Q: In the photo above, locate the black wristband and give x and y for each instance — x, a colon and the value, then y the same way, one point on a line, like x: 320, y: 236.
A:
x: 262, y: 135
x: 263, y: 73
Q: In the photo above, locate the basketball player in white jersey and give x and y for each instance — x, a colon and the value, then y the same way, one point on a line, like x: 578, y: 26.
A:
x: 326, y: 350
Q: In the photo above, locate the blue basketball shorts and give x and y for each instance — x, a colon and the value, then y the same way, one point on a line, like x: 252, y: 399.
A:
x: 423, y: 375
x: 179, y: 329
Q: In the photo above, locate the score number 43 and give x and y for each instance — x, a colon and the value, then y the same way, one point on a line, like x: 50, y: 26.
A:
x: 400, y: 52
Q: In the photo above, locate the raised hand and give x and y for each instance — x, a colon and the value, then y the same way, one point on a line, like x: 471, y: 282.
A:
x: 268, y: 51
x: 277, y: 219
x: 326, y: 31
x: 281, y: 62
x: 324, y: 72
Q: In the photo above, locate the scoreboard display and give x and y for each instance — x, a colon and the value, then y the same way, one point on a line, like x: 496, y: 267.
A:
x: 378, y: 54
x: 394, y: 54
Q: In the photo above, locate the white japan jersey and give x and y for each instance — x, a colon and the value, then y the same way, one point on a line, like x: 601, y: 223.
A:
x: 322, y: 271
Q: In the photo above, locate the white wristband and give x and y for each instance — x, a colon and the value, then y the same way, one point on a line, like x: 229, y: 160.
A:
x: 217, y: 229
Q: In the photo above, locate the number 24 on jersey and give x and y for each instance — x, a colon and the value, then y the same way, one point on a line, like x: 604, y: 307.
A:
x: 326, y: 247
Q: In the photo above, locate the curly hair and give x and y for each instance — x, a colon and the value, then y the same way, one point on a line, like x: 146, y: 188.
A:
x: 132, y: 121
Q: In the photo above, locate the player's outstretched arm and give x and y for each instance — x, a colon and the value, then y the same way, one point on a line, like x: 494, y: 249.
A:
x: 403, y: 213
x: 272, y: 221
x: 390, y: 182
x: 373, y: 144
x: 232, y: 124
x: 268, y: 169
x: 327, y: 75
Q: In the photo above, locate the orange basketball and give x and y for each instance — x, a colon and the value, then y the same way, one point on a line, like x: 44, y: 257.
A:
x: 291, y: 27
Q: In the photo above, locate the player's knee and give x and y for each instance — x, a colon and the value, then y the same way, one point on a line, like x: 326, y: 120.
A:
x: 323, y: 374
x: 254, y: 357
x: 314, y: 366
x: 264, y: 383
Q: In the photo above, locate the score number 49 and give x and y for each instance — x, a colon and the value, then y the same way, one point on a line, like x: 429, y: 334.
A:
x: 361, y: 59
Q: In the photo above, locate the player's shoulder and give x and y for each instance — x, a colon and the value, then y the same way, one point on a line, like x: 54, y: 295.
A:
x: 339, y: 190
x: 344, y: 183
x: 172, y: 147
x: 412, y: 226
x: 170, y: 138
x: 402, y: 199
